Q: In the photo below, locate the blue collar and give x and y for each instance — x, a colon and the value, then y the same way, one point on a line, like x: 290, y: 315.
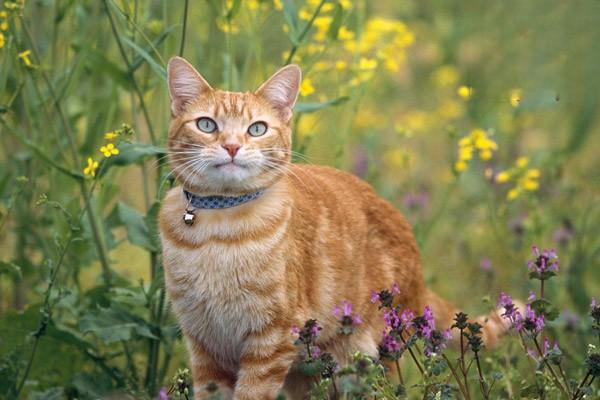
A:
x: 216, y: 202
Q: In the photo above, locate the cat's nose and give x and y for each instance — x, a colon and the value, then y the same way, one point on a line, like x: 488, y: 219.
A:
x: 232, y: 148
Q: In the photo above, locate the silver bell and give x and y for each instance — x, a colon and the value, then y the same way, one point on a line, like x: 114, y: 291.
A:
x: 189, y: 217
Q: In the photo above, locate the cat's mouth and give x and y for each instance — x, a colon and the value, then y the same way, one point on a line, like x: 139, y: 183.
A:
x: 229, y: 166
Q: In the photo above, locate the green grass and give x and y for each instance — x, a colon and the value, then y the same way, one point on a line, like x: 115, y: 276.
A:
x: 83, y: 308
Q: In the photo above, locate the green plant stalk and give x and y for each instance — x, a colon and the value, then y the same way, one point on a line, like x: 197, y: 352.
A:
x: 98, y: 240
x: 47, y: 309
x: 486, y: 393
x: 552, y: 372
x: 156, y: 315
x: 412, y: 355
x: 581, y: 385
x: 457, y: 378
x: 183, y: 28
x: 307, y: 27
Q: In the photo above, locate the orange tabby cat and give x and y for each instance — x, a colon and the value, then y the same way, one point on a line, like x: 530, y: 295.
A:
x: 301, y: 240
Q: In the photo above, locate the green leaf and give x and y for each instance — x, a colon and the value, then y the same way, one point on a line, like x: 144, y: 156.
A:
x: 290, y: 14
x: 10, y: 268
x: 131, y: 153
x: 235, y: 8
x: 312, y: 107
x: 156, y: 67
x: 545, y: 308
x: 113, y: 325
x: 336, y: 23
x: 137, y: 230
x: 138, y: 60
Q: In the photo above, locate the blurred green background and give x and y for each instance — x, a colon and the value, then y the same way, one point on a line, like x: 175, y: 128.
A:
x: 478, y: 120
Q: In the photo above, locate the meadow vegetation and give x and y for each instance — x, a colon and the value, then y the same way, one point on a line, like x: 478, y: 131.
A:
x: 478, y: 120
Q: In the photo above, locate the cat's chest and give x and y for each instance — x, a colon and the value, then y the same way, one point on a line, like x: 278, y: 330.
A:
x: 225, y: 286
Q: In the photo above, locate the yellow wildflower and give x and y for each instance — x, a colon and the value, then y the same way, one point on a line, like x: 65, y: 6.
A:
x: 304, y: 14
x: 515, y: 97
x: 465, y: 92
x: 4, y: 22
x: 445, y: 76
x: 111, y: 135
x: 109, y: 150
x: 2, y: 40
x: 346, y: 4
x: 278, y: 5
x: 227, y: 27
x: 397, y: 158
x: 91, y: 167
x: 321, y: 66
x: 24, y: 56
x: 513, y: 194
x: 345, y: 34
x: 306, y: 87
x: 307, y: 125
x: 460, y: 166
x: 252, y: 4
x: 522, y: 162
x: 366, y: 64
x: 502, y: 177
x: 477, y: 140
x: 341, y: 65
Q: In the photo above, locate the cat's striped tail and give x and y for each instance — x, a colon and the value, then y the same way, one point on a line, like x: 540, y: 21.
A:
x: 494, y: 325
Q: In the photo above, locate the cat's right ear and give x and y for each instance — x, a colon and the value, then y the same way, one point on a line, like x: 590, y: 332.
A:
x: 185, y: 84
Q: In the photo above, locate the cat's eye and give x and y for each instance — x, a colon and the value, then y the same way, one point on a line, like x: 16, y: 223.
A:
x: 257, y: 129
x: 206, y: 125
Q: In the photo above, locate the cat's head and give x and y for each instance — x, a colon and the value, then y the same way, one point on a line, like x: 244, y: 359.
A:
x: 229, y: 142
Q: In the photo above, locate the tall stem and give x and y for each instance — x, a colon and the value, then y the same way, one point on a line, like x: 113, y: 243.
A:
x: 554, y: 376
x: 98, y: 239
x: 183, y: 28
x: 307, y: 27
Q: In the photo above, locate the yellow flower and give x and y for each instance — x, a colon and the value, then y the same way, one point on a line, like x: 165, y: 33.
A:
x: 346, y: 4
x: 465, y: 92
x: 515, y: 97
x: 367, y: 63
x: 513, y: 194
x: 533, y: 173
x: 522, y: 162
x: 2, y: 40
x: 345, y: 34
x: 445, y: 76
x: 502, y: 177
x: 341, y: 65
x: 397, y: 158
x: 111, y: 135
x: 278, y: 5
x: 306, y: 88
x: 109, y: 150
x: 530, y: 185
x: 304, y: 14
x: 460, y: 166
x: 24, y: 56
x: 227, y: 27
x: 91, y: 167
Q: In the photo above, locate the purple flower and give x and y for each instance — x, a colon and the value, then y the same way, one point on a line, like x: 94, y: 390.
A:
x: 530, y: 323
x: 543, y: 262
x: 531, y: 296
x: 563, y: 234
x: 308, y: 333
x: 406, y: 319
x: 347, y: 319
x: 425, y: 324
x: 374, y: 297
x: 486, y: 265
x: 163, y: 394
x: 415, y: 201
x: 395, y: 289
x: 389, y: 343
x: 510, y: 310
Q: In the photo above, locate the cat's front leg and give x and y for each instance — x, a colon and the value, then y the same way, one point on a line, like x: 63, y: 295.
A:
x: 208, y: 376
x: 264, y: 364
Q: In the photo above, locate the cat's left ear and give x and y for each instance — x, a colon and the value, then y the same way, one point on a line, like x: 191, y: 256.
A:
x: 281, y: 90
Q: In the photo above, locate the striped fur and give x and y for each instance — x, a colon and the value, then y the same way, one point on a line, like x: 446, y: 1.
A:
x: 240, y: 278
